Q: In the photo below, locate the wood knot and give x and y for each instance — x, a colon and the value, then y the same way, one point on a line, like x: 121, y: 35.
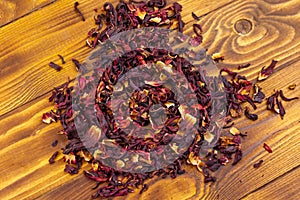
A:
x: 243, y: 26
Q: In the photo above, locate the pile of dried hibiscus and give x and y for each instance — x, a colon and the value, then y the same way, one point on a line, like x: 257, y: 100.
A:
x: 112, y: 182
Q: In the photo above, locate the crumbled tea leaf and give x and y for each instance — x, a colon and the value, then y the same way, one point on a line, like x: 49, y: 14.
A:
x: 62, y: 59
x: 292, y: 87
x: 247, y: 113
x: 267, y: 71
x: 267, y: 148
x: 54, y: 143
x: 258, y: 164
x: 55, y: 66
x: 52, y: 158
x: 76, y: 4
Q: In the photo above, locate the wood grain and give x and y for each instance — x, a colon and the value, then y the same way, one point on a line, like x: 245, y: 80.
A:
x: 275, y: 190
x: 26, y: 142
x: 55, y: 29
x: 11, y: 10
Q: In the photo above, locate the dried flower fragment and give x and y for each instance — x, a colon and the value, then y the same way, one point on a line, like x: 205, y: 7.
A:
x: 274, y: 104
x: 76, y: 63
x: 54, y: 143
x: 247, y: 113
x: 52, y: 158
x: 62, y: 59
x: 285, y: 98
x: 265, y: 72
x: 267, y: 148
x: 49, y: 117
x: 76, y: 4
x: 243, y: 66
x: 292, y: 87
x: 258, y: 95
x: 258, y: 164
x: 195, y: 16
x: 55, y: 66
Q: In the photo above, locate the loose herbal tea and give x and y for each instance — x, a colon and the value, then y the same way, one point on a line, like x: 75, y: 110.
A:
x: 147, y: 102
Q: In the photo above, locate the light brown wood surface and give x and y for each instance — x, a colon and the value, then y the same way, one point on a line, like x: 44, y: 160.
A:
x: 26, y: 81
x: 11, y: 10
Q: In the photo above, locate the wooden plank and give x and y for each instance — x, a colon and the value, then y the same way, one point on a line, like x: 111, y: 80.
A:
x: 11, y: 10
x: 276, y: 189
x: 55, y: 29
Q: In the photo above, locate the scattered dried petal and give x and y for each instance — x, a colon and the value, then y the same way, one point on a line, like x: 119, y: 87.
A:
x: 292, y: 87
x: 285, y: 98
x: 196, y: 17
x: 243, y: 66
x: 62, y: 59
x: 52, y: 158
x: 258, y: 96
x: 70, y: 169
x: 266, y: 72
x: 258, y: 164
x: 267, y: 148
x: 55, y: 66
x: 77, y: 63
x: 54, y: 143
x: 76, y: 4
x: 249, y: 115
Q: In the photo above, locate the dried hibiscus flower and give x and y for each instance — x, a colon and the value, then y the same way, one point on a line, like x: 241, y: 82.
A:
x: 265, y: 72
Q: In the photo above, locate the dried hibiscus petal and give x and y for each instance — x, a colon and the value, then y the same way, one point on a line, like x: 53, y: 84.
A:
x: 54, y: 143
x: 237, y: 157
x: 62, y: 59
x: 258, y: 164
x: 49, y: 117
x: 52, y: 158
x: 55, y: 66
x: 76, y: 4
x: 285, y: 98
x: 267, y: 148
x: 258, y: 95
x: 195, y: 16
x: 265, y: 72
x: 292, y: 87
x: 249, y: 115
x: 70, y: 169
x: 243, y: 66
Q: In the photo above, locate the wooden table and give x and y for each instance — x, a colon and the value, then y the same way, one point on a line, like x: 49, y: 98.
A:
x: 33, y: 32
